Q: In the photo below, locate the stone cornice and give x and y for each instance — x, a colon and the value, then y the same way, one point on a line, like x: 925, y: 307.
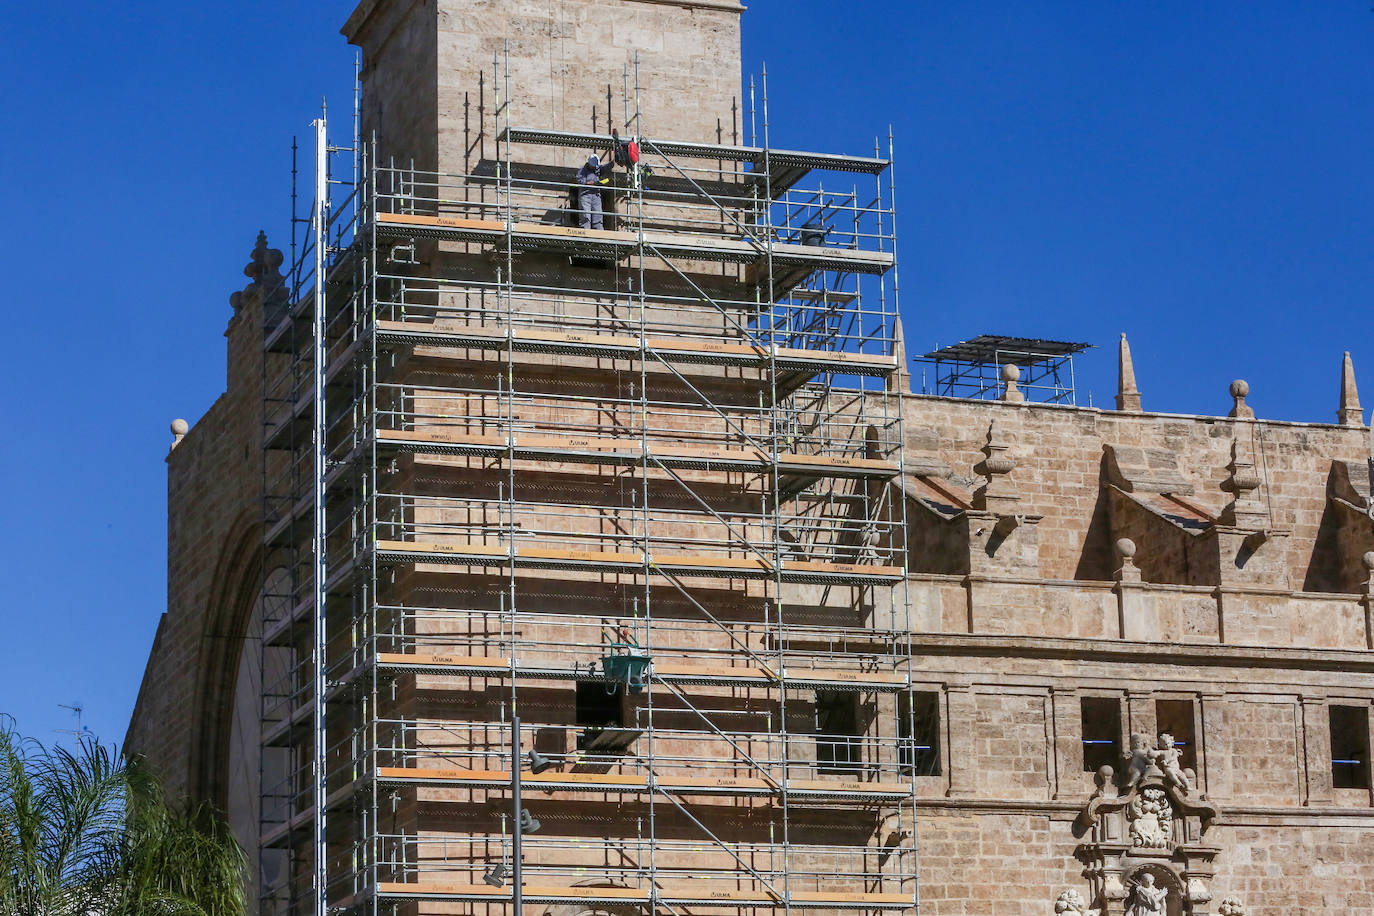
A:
x: 1360, y: 433
x: 1346, y: 660
x: 731, y: 5
x: 1220, y: 591
x: 1235, y: 814
x: 364, y: 10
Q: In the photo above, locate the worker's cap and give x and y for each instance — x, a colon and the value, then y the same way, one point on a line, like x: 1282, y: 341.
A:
x: 594, y: 160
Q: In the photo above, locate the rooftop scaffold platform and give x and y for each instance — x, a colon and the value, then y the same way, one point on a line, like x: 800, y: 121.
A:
x: 973, y: 368
x: 590, y: 568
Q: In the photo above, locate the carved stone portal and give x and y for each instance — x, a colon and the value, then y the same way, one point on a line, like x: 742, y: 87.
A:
x: 1143, y: 847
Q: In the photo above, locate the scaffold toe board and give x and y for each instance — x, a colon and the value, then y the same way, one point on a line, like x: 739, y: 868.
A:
x: 477, y: 666
x: 533, y: 893
x: 684, y: 350
x: 613, y: 561
x: 635, y: 783
x: 618, y: 451
x: 537, y: 236
x: 676, y: 896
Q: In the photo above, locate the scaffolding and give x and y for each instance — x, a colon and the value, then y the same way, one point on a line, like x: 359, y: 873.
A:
x: 603, y: 517
x: 973, y: 368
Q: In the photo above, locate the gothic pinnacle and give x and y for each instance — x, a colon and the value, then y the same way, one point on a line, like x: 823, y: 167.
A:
x: 1350, y: 413
x: 1127, y: 394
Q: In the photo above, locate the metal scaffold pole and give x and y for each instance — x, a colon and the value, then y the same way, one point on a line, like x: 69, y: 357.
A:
x: 517, y: 872
x: 320, y: 565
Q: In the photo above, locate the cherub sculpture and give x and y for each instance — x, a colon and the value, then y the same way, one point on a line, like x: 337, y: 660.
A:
x: 1139, y: 758
x: 1070, y: 903
x: 1169, y: 760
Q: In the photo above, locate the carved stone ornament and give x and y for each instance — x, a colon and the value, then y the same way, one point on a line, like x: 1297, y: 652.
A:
x: 996, y: 493
x: 1143, y: 836
x: 1071, y: 903
x: 1231, y: 906
x: 267, y: 286
x: 1151, y: 819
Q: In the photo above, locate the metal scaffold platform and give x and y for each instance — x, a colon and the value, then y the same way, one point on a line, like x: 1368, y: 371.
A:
x: 588, y: 561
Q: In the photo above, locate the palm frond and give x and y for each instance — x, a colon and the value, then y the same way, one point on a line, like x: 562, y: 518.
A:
x: 88, y: 833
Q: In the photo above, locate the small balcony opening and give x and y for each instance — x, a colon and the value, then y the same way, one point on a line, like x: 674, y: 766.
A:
x: 918, y: 732
x: 1101, y: 718
x: 1350, y: 747
x: 837, y: 731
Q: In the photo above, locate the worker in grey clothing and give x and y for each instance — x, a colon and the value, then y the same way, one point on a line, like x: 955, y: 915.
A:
x: 590, y: 178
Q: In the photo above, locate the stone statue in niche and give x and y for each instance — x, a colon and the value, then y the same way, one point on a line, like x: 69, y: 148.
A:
x: 1168, y: 759
x: 1151, y: 819
x: 1146, y: 899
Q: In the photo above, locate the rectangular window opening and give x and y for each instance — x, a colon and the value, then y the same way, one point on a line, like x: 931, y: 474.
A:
x: 1175, y: 717
x: 837, y: 731
x: 918, y: 732
x: 601, y: 717
x: 1101, y: 733
x: 1349, y: 747
x: 600, y: 704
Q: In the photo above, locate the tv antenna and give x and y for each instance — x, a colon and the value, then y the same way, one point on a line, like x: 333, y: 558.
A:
x: 81, y: 731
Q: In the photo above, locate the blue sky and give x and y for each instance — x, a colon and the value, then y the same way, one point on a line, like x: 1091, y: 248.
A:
x: 1196, y: 175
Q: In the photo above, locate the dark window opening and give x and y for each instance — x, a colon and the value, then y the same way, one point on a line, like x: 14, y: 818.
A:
x: 1350, y: 747
x: 918, y: 733
x: 600, y: 705
x: 1175, y: 717
x: 601, y: 717
x: 1101, y: 733
x: 837, y: 731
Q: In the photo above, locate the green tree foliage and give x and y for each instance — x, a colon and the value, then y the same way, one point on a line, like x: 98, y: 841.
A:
x: 87, y: 833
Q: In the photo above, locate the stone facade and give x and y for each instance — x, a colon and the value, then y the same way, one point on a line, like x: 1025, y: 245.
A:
x: 1207, y: 575
x: 1258, y: 647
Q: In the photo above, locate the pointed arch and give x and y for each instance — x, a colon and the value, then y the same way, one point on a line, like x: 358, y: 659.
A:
x: 234, y: 592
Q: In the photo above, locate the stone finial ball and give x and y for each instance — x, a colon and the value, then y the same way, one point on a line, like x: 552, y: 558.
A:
x: 1125, y: 547
x: 1011, y: 372
x: 1368, y: 560
x: 180, y: 427
x: 1240, y: 388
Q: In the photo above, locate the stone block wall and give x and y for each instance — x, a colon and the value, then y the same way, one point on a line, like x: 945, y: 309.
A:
x: 442, y: 63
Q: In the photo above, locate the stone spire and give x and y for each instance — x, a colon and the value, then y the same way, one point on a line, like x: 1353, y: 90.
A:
x: 899, y: 380
x: 1350, y: 414
x: 1127, y: 394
